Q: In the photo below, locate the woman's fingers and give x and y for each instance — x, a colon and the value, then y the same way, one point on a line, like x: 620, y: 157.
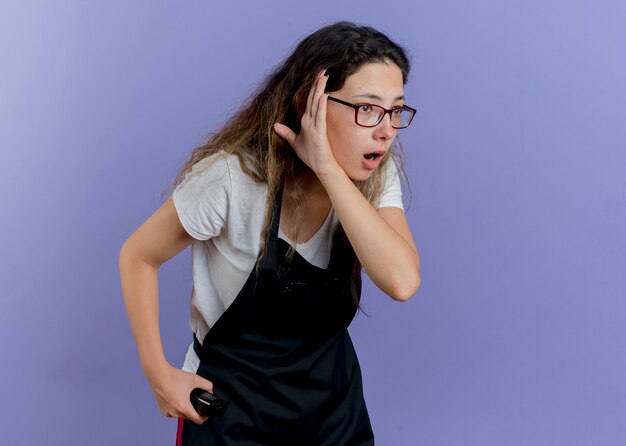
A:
x: 190, y: 412
x: 204, y: 384
x: 321, y: 107
x: 309, y: 101
x: 320, y: 85
x: 192, y: 415
x: 313, y: 97
x: 286, y: 133
x: 173, y: 388
x: 311, y: 144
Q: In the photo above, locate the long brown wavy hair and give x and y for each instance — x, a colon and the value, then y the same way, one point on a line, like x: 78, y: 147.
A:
x: 340, y: 49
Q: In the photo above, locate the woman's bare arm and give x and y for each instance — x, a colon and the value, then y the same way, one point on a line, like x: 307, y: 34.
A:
x: 381, y: 238
x: 157, y: 240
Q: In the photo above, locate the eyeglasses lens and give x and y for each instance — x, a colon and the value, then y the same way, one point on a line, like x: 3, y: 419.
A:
x: 370, y: 115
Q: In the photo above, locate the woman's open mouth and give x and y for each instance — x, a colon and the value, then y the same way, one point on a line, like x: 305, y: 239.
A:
x: 372, y: 160
x: 373, y: 155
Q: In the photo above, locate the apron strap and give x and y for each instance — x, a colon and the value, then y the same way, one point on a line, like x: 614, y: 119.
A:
x: 197, y: 347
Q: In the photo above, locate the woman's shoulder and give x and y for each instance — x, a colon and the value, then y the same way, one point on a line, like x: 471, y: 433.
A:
x: 219, y: 161
x: 222, y: 162
x: 218, y: 167
x: 217, y: 193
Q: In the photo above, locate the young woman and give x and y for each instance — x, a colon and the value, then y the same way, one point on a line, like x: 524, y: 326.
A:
x: 283, y: 207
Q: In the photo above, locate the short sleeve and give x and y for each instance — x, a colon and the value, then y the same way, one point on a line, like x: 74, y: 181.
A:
x: 202, y: 198
x: 391, y: 195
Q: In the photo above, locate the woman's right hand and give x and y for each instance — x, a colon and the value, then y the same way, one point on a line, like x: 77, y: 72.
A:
x: 172, y: 388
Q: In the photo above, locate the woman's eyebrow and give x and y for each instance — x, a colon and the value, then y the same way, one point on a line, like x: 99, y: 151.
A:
x: 376, y: 97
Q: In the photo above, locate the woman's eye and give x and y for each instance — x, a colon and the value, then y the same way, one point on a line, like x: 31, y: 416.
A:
x: 397, y: 111
x: 366, y: 109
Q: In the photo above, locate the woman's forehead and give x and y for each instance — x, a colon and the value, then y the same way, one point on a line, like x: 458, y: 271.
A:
x: 378, y: 81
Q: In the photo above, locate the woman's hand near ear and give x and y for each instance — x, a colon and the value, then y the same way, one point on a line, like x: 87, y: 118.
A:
x: 311, y: 144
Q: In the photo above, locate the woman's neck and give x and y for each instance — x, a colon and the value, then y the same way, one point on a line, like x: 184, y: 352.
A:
x: 312, y: 186
x: 314, y: 205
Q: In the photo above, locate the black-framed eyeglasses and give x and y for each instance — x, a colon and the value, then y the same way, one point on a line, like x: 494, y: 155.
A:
x: 370, y: 115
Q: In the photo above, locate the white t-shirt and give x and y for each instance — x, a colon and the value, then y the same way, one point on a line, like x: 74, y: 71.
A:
x: 223, y: 209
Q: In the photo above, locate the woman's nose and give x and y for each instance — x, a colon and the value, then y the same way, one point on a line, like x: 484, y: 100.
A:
x: 384, y: 129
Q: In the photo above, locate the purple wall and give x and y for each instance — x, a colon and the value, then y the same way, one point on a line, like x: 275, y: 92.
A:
x: 517, y: 162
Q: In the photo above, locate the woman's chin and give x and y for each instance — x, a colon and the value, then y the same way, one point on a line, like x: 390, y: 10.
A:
x: 360, y: 175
